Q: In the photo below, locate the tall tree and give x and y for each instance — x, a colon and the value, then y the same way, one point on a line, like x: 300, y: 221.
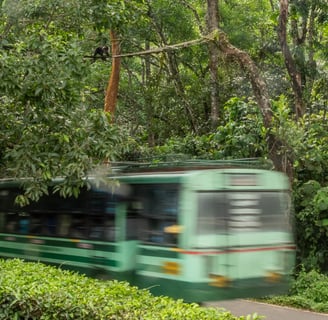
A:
x: 113, y: 83
x: 212, y: 21
x: 262, y: 97
x: 294, y: 73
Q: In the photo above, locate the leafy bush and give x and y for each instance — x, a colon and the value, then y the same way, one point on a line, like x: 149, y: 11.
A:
x: 36, y: 291
x: 309, y: 291
x: 311, y: 201
x: 241, y: 133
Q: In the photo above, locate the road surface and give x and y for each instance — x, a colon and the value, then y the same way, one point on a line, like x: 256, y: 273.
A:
x: 270, y: 312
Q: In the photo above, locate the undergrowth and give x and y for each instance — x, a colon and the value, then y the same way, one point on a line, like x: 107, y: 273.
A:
x: 35, y: 291
x: 308, y: 291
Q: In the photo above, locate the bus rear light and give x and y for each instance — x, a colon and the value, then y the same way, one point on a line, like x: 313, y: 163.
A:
x: 170, y: 267
x: 219, y: 281
x: 273, y: 277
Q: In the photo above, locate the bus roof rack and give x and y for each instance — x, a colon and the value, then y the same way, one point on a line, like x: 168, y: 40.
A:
x: 191, y: 164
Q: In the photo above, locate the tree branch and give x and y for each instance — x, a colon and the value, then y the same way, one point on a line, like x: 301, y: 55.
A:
x: 177, y: 46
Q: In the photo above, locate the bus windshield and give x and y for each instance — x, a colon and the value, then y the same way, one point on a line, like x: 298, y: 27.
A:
x: 235, y: 211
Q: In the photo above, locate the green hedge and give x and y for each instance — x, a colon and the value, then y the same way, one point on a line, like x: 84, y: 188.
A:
x: 36, y: 291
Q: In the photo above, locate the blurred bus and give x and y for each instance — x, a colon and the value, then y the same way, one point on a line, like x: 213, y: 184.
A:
x: 199, y: 231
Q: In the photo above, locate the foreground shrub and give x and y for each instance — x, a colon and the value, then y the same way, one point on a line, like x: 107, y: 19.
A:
x: 36, y: 291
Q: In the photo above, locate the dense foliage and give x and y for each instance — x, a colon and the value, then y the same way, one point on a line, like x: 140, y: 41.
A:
x: 48, y: 128
x: 52, y: 92
x: 35, y: 291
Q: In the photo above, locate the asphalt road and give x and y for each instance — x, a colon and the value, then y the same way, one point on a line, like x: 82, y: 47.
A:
x: 270, y: 312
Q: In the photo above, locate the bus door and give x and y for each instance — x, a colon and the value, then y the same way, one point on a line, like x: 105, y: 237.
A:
x: 113, y: 232
x: 158, y: 235
x: 213, y: 236
x: 244, y: 229
x: 225, y: 219
x: 127, y: 232
x: 253, y: 238
x: 252, y: 235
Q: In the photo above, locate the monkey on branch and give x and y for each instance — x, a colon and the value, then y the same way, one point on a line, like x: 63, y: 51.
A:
x: 101, y: 52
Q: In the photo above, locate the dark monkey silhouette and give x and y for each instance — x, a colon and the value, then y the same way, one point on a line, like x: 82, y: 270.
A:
x: 102, y: 52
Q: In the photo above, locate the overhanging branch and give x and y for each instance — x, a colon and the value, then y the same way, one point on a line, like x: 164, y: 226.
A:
x: 210, y: 37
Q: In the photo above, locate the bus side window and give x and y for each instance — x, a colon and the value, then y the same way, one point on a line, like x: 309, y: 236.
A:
x: 159, y: 212
x: 131, y: 228
x: 51, y: 225
x: 36, y: 224
x: 23, y: 223
x: 133, y: 221
x: 78, y: 228
x: 10, y: 223
x: 17, y: 222
x: 2, y: 220
x: 103, y: 228
x: 11, y: 226
x: 63, y: 225
x: 97, y: 228
x: 110, y: 230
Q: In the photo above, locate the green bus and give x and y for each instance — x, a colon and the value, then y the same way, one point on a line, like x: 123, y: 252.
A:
x: 199, y: 231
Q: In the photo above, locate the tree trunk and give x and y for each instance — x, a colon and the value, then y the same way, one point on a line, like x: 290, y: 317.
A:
x: 113, y: 84
x: 311, y: 65
x: 295, y: 75
x: 280, y: 161
x: 212, y: 22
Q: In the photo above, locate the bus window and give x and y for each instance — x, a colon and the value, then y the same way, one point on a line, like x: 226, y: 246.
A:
x: 11, y: 226
x: 103, y: 228
x: 275, y: 208
x: 97, y: 228
x: 211, y: 213
x: 155, y: 232
x: 2, y: 220
x: 78, y: 228
x: 159, y: 207
x: 10, y: 222
x: 36, y: 224
x: 23, y: 223
x: 161, y: 200
x: 50, y: 227
x: 100, y: 202
x: 64, y: 222
x: 109, y: 230
x: 102, y: 211
x: 134, y: 208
